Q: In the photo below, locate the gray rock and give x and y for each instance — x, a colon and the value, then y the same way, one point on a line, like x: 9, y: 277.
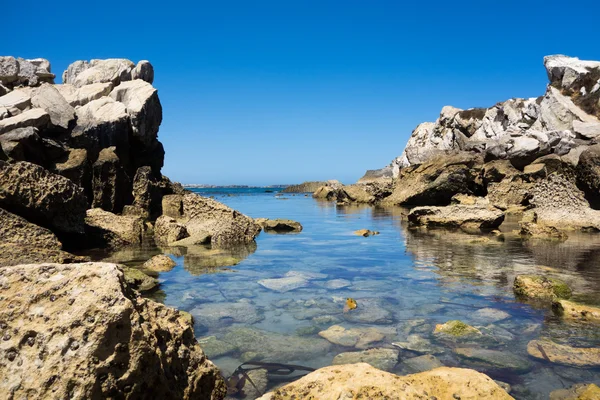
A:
x: 16, y: 101
x: 215, y: 348
x: 35, y: 117
x: 214, y: 315
x: 487, y: 315
x: 587, y: 130
x: 419, y: 344
x: 81, y: 96
x: 380, y: 358
x: 9, y: 69
x: 110, y: 183
x: 143, y: 107
x: 144, y: 71
x: 495, y: 359
x: 369, y: 311
x: 113, y: 70
x: 50, y: 100
x: 285, y: 284
x: 420, y: 364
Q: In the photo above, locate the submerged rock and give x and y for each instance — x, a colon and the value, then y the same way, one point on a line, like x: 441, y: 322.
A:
x: 365, y: 233
x: 580, y: 391
x: 139, y: 280
x: 419, y: 344
x: 213, y: 315
x: 420, y: 364
x: 577, y: 312
x: 279, y: 225
x: 540, y: 288
x: 487, y: 315
x: 271, y: 346
x: 495, y: 359
x: 370, y: 311
x: 285, y: 284
x: 67, y: 326
x: 380, y: 358
x: 363, y: 381
x: 562, y: 354
x: 361, y: 338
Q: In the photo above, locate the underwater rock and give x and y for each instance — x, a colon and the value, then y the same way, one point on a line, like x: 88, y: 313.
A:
x: 488, y: 315
x: 580, y: 391
x: 363, y: 381
x: 369, y: 311
x: 284, y: 284
x: 420, y: 364
x: 456, y: 328
x: 365, y: 232
x: 562, y: 354
x: 214, y: 348
x: 419, y: 344
x: 361, y: 338
x: 495, y: 359
x: 138, y: 280
x: 271, y: 346
x: 213, y: 315
x: 380, y: 358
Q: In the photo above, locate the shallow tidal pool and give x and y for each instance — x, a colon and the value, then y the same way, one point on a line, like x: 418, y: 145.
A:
x: 288, y: 288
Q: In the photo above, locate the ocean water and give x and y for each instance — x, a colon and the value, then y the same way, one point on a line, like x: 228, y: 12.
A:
x: 405, y: 281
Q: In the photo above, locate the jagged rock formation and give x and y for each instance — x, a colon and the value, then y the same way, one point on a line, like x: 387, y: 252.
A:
x: 539, y: 153
x: 310, y: 187
x: 78, y: 331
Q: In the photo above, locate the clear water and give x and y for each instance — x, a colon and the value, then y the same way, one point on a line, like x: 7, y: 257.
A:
x: 405, y: 282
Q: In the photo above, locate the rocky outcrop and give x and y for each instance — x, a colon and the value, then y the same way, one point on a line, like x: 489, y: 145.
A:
x: 21, y: 72
x: 363, y: 381
x: 469, y: 218
x: 541, y: 288
x: 77, y: 331
x: 576, y: 312
x: 167, y: 230
x: 310, y: 187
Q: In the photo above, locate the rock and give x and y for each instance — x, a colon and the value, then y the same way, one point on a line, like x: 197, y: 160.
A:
x: 383, y: 359
x: 574, y: 311
x: 310, y: 187
x: 488, y: 315
x: 143, y: 107
x: 279, y: 225
x: 457, y: 216
x: 138, y: 280
x: 76, y: 168
x: 541, y: 231
x: 80, y: 96
x: 326, y: 193
x: 363, y: 381
x: 565, y: 71
x: 580, y: 391
x: 196, y: 240
x: 167, y: 230
x: 110, y: 183
x: 562, y: 354
x: 15, y: 72
x: 86, y: 314
x: 159, y: 263
x: 144, y: 71
x: 495, y: 359
x: 16, y: 102
x: 336, y: 284
x: 214, y: 347
x: 365, y: 233
x: 437, y: 181
x: 385, y: 174
x: 108, y: 229
x: 285, y: 284
x: 16, y: 254
x: 369, y: 311
x: 419, y: 344
x: 24, y: 144
x: 41, y: 197
x: 587, y: 130
x: 17, y: 230
x: 225, y: 225
x: 9, y: 69
x: 420, y: 364
x: 35, y: 117
x: 50, y: 100
x: 540, y: 288
x: 113, y: 70
x: 149, y: 188
x: 271, y: 346
x: 588, y: 174
x: 358, y: 194
x: 214, y: 315
x: 361, y: 338
x: 456, y: 328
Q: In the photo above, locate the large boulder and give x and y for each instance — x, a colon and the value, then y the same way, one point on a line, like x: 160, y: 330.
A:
x: 112, y: 70
x: 364, y: 381
x: 19, y: 71
x: 17, y: 230
x: 35, y: 117
x: 202, y: 215
x: 77, y: 331
x: 457, y: 216
x: 143, y: 107
x: 107, y: 229
x: 76, y: 167
x: 80, y: 96
x: 24, y: 144
x: 437, y: 181
x: 167, y: 230
x: 50, y: 100
x: 42, y: 197
x: 149, y: 189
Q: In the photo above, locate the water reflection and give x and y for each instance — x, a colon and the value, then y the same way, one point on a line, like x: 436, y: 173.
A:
x: 201, y: 259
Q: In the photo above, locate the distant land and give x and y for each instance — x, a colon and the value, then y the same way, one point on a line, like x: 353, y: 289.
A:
x: 201, y: 186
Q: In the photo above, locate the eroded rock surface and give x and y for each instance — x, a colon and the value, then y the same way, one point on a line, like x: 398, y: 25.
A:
x: 60, y: 320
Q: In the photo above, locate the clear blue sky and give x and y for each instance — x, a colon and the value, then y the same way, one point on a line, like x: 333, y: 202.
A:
x: 265, y: 92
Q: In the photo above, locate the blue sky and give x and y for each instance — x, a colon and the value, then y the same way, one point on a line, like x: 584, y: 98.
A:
x: 265, y: 92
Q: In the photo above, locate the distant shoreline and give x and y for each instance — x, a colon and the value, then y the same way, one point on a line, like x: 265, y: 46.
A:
x: 201, y: 186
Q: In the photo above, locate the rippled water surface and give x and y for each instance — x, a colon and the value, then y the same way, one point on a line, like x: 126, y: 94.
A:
x: 404, y: 282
